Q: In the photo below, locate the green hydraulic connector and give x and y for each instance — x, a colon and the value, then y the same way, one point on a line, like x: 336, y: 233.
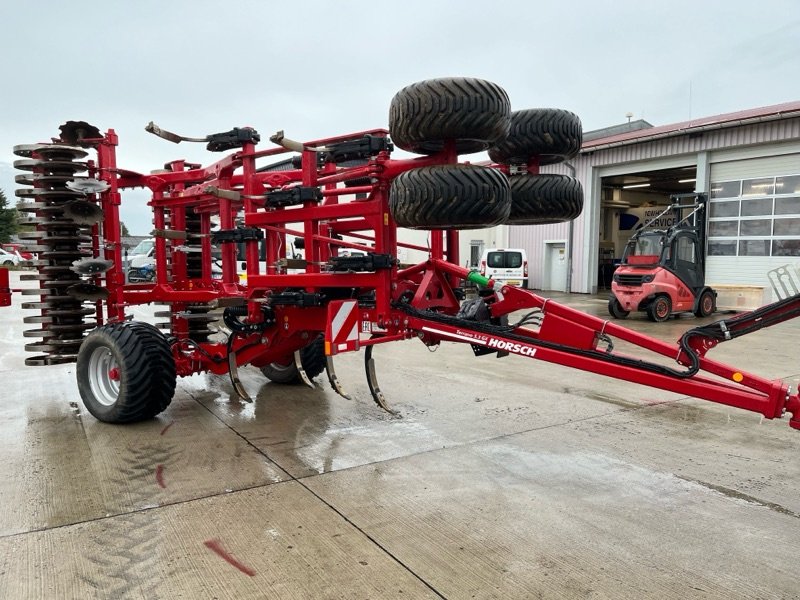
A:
x: 476, y: 277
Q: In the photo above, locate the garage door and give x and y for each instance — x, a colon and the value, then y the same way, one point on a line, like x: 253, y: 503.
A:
x: 754, y: 223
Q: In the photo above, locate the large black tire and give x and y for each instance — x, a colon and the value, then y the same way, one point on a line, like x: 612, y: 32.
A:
x: 312, y: 357
x: 615, y: 308
x: 546, y: 198
x: 706, y: 303
x: 659, y: 309
x: 551, y: 134
x: 450, y: 197
x: 125, y: 372
x: 473, y: 112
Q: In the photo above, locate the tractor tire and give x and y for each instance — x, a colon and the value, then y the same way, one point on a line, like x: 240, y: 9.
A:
x: 473, y: 112
x: 450, y: 197
x: 551, y: 134
x: 312, y: 357
x: 615, y: 309
x: 660, y: 309
x: 541, y: 199
x: 706, y: 304
x: 125, y: 372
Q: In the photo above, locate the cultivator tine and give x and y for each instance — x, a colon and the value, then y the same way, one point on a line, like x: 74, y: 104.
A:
x: 372, y: 382
x: 331, y: 371
x: 169, y: 136
x: 233, y: 371
x: 301, y: 371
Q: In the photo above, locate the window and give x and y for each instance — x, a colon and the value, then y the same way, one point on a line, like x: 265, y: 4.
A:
x: 726, y: 189
x: 504, y: 260
x: 754, y: 248
x: 787, y: 226
x: 755, y: 217
x: 761, y: 206
x: 786, y: 248
x: 787, y: 185
x: 758, y: 187
x: 787, y: 206
x: 475, y: 251
x: 723, y: 228
x: 724, y: 209
x: 726, y: 248
x: 756, y: 227
x: 685, y: 250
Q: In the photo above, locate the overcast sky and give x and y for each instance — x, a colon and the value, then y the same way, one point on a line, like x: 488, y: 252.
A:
x: 316, y: 69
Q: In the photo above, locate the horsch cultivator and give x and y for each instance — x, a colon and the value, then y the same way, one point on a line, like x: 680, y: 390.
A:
x: 347, y: 193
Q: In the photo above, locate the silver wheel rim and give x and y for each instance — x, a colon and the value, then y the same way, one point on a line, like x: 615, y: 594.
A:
x: 104, y: 386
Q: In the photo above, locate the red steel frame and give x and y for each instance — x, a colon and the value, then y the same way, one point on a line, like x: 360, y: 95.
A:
x: 232, y: 186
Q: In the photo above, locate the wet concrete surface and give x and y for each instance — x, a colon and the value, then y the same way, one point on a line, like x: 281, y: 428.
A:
x: 507, y: 478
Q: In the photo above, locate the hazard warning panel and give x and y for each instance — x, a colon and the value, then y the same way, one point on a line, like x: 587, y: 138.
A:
x: 341, y: 334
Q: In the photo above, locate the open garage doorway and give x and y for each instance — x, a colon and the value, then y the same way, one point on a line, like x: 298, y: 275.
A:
x: 628, y: 202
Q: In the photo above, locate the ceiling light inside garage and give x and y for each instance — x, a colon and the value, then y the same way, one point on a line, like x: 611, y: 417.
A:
x: 635, y: 185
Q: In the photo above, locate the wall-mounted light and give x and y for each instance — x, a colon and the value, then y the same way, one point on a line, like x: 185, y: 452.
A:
x: 687, y: 180
x: 635, y: 185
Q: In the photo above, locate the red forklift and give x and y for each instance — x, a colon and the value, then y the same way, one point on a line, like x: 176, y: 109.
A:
x: 663, y: 268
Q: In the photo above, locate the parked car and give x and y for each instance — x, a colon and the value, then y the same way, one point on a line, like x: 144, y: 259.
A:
x: 507, y: 266
x: 14, y: 247
x: 9, y: 259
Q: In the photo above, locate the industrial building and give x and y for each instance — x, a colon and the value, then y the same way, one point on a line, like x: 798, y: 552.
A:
x: 747, y: 162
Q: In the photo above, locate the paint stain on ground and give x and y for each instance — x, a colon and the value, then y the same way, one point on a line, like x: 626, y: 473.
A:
x: 160, y: 476
x: 216, y: 547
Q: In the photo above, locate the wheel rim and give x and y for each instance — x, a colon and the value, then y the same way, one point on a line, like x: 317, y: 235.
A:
x: 662, y: 310
x: 707, y: 304
x: 104, y: 376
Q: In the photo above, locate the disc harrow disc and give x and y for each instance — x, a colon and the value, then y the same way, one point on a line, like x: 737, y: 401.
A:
x: 49, y: 166
x: 80, y: 133
x: 50, y: 151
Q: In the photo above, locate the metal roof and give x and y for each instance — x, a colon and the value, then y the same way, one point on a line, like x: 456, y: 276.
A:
x: 742, y: 117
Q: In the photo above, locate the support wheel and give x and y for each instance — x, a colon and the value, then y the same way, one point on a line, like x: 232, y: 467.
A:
x: 615, y: 309
x: 450, y: 197
x: 659, y: 309
x: 551, y: 134
x: 125, y: 372
x: 312, y: 358
x: 706, y: 304
x: 541, y: 199
x: 472, y: 112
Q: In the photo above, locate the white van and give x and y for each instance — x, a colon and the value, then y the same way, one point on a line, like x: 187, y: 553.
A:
x: 507, y: 266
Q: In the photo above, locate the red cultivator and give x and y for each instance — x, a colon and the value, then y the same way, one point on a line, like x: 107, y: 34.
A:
x: 343, y: 200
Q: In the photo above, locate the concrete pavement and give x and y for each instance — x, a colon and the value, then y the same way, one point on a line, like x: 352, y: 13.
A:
x: 505, y: 478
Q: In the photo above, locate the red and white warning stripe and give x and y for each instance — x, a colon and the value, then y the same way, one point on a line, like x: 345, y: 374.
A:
x: 341, y: 334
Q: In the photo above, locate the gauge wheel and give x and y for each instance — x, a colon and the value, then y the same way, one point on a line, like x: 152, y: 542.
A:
x: 473, y: 113
x: 125, y: 372
x: 542, y: 199
x: 660, y: 309
x: 450, y: 197
x: 550, y: 134
x: 615, y: 309
x: 706, y: 305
